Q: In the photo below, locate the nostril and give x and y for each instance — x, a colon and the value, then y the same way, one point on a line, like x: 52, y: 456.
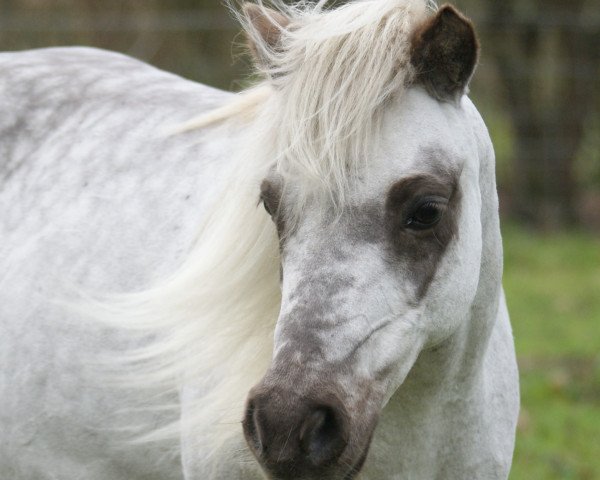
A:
x: 251, y: 426
x: 322, y: 436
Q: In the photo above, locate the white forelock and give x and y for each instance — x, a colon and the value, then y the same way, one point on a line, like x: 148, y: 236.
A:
x: 332, y: 71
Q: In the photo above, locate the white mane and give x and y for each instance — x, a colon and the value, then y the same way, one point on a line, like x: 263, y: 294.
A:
x: 214, y: 318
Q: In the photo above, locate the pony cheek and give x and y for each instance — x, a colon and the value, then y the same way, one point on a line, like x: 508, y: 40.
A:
x: 392, y: 355
x: 452, y: 292
x: 445, y: 310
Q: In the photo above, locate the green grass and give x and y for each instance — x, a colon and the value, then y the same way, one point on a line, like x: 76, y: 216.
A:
x: 553, y: 290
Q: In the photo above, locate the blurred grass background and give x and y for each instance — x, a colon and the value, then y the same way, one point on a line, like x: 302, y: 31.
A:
x: 552, y: 286
x: 552, y: 267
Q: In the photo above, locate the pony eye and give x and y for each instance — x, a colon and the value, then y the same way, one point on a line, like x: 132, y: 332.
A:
x: 426, y: 214
x: 269, y: 197
x: 266, y: 205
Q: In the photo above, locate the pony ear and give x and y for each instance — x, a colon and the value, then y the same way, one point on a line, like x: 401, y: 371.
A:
x: 444, y: 52
x: 267, y: 24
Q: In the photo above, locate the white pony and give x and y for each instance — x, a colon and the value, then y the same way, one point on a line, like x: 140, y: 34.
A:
x: 356, y: 328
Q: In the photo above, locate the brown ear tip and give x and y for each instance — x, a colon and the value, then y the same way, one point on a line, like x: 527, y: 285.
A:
x: 448, y: 8
x: 450, y: 11
x: 251, y: 10
x: 263, y: 16
x: 450, y: 15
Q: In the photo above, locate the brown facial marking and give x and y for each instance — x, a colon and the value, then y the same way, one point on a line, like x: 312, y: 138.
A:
x: 444, y: 52
x: 422, y: 249
x: 270, y: 195
x: 268, y: 23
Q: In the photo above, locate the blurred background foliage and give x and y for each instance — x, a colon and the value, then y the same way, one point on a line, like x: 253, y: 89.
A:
x: 538, y: 88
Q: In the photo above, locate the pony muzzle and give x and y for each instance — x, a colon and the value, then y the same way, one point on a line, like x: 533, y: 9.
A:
x: 295, y: 435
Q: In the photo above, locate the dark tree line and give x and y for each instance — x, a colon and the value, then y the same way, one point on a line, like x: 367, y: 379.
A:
x: 548, y: 60
x: 545, y: 54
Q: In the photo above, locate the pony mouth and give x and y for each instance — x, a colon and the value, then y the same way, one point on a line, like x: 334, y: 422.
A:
x: 350, y: 474
x: 355, y: 470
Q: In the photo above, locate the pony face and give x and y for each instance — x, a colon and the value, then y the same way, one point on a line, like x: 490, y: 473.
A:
x: 369, y: 286
x: 366, y: 290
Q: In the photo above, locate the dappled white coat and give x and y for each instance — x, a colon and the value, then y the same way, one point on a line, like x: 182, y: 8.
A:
x: 375, y: 323
x: 94, y: 197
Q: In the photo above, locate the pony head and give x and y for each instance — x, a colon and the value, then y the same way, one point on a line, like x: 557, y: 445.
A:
x: 374, y: 190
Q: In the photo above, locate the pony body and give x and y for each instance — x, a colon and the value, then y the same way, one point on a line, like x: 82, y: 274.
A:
x: 87, y: 174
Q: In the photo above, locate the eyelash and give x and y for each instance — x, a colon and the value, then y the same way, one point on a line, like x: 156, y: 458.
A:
x: 413, y: 221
